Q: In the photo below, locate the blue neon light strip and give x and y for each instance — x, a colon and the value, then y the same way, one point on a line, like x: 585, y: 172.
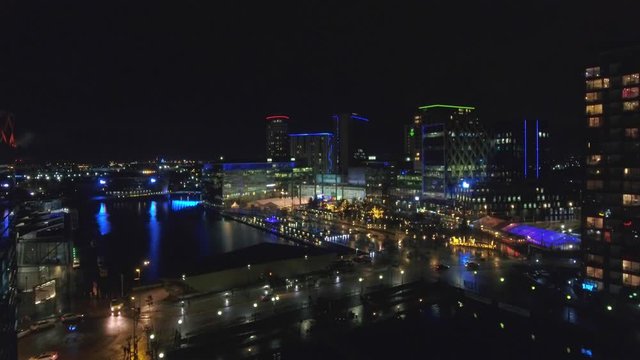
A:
x: 525, y: 148
x: 312, y: 134
x: 257, y: 166
x: 537, y: 152
x: 356, y: 117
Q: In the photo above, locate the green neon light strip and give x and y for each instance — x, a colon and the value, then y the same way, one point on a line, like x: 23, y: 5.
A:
x: 446, y: 106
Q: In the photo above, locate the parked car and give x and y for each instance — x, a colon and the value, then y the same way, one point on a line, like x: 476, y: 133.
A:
x: 49, y: 355
x: 71, y: 317
x: 472, y: 265
x: 23, y: 332
x: 42, y: 324
x: 442, y: 267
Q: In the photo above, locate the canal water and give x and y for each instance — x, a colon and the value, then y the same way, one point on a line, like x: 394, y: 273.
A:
x: 176, y: 236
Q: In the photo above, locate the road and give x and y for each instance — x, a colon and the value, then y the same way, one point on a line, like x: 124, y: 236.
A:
x: 203, y: 313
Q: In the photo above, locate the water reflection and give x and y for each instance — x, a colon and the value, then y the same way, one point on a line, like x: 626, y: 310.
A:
x: 177, y: 205
x: 102, y: 218
x: 175, y: 236
x: 154, y: 241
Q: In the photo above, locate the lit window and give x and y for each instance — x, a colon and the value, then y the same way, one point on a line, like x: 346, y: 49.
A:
x: 595, y: 121
x: 631, y: 133
x: 594, y: 222
x: 594, y: 272
x: 594, y: 84
x: 594, y: 109
x: 631, y: 266
x: 631, y: 280
x: 630, y: 93
x: 594, y: 159
x: 630, y: 79
x: 592, y: 72
x: 631, y: 200
x: 631, y: 105
x: 592, y: 96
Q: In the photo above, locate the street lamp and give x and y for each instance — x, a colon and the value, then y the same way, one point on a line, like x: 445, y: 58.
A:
x: 401, y: 277
x: 360, y: 281
x: 161, y: 355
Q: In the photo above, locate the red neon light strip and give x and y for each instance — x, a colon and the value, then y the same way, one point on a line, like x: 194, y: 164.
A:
x: 274, y: 117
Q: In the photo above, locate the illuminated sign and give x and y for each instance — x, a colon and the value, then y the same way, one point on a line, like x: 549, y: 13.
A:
x: 589, y: 285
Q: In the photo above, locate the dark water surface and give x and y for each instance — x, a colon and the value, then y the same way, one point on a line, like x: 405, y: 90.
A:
x: 176, y: 235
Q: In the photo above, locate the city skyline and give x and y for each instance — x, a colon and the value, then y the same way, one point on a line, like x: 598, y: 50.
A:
x: 178, y: 83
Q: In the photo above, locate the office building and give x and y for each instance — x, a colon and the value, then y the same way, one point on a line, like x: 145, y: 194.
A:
x: 226, y: 184
x: 315, y: 150
x: 520, y: 150
x: 44, y: 233
x: 611, y: 208
x: 455, y: 148
x: 515, y: 186
x: 348, y: 139
x: 277, y: 137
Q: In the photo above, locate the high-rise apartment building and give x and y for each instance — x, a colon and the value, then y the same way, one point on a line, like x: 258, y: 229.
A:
x: 455, y: 148
x: 611, y: 208
x: 277, y: 137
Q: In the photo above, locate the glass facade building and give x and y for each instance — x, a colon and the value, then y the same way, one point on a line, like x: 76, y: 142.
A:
x: 455, y: 148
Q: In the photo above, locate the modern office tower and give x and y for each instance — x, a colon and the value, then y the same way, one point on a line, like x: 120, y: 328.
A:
x: 277, y: 137
x: 412, y: 142
x: 347, y: 139
x: 8, y: 290
x: 455, y: 148
x: 316, y: 150
x: 520, y: 150
x: 611, y: 208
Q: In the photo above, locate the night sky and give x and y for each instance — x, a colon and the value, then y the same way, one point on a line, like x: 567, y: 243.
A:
x: 138, y: 79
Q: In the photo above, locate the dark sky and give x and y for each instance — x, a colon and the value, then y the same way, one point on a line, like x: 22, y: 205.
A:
x: 138, y: 79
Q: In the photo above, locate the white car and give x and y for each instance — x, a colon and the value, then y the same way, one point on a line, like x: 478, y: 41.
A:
x: 49, y: 355
x: 42, y: 324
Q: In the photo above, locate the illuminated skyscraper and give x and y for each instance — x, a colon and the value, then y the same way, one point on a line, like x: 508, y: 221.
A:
x: 277, y: 137
x: 455, y: 148
x: 611, y: 208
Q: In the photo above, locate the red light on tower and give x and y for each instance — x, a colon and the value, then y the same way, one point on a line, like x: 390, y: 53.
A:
x: 7, y: 132
x: 277, y: 117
